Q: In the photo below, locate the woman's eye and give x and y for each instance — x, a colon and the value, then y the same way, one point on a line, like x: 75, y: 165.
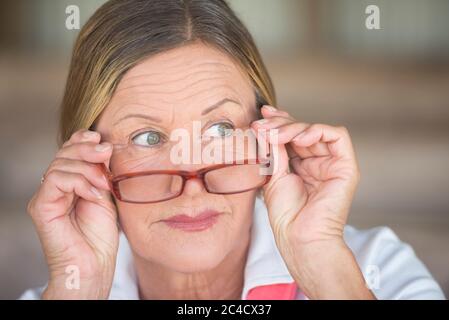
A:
x: 147, y: 139
x: 222, y: 129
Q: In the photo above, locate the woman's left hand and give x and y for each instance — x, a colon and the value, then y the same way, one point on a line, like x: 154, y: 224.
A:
x: 308, y: 200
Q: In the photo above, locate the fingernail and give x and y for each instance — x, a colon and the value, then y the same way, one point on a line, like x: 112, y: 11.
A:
x: 96, y: 193
x: 89, y: 134
x: 270, y: 108
x: 102, y: 147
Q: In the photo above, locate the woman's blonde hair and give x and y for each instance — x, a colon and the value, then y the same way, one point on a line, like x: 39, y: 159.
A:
x: 122, y: 33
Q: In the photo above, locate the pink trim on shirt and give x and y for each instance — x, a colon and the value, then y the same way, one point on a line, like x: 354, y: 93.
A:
x: 281, y: 291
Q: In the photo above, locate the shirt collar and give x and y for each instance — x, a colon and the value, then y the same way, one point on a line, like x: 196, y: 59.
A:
x: 264, y: 265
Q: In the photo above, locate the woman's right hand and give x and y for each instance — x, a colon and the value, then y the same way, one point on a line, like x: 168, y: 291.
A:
x: 76, y: 220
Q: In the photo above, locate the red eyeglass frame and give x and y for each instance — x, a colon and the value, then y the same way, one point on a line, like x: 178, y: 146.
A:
x: 185, y: 175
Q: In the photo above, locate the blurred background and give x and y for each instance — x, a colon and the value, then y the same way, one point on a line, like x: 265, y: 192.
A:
x: 390, y: 87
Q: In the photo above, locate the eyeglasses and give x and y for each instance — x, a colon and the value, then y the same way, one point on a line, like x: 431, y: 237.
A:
x: 161, y: 185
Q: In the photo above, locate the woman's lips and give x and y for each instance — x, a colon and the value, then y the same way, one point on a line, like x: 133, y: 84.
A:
x: 203, y: 221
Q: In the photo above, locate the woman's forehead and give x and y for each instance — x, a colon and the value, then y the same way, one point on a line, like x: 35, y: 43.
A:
x: 186, y: 72
x: 182, y: 80
x: 183, y: 61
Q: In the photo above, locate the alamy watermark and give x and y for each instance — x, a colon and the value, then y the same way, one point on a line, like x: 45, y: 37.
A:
x: 72, y: 21
x: 372, y: 21
x: 372, y: 277
x: 72, y: 281
x: 237, y: 146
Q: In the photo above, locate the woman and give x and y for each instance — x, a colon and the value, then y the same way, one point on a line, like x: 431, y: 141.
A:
x: 143, y: 68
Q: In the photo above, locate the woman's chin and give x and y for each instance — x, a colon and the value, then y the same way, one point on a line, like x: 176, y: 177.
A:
x: 187, y: 248
x: 193, y: 251
x: 193, y: 257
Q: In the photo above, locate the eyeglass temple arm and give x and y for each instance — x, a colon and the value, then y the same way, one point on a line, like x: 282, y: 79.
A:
x: 105, y: 171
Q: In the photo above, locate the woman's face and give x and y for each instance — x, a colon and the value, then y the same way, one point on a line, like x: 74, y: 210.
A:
x: 169, y: 91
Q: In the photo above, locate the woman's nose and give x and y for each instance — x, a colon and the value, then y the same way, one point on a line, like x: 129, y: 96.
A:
x: 194, y: 186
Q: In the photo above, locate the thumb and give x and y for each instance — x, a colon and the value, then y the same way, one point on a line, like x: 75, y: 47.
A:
x: 285, y: 193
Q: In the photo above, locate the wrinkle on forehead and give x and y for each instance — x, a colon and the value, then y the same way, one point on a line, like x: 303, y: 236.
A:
x: 185, y: 57
x: 189, y: 67
x: 153, y: 78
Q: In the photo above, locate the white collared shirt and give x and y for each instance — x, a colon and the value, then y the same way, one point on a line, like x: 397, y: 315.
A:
x: 390, y: 267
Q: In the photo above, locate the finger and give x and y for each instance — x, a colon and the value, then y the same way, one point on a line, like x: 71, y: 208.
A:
x: 303, y: 152
x: 57, y: 186
x: 270, y: 111
x: 271, y: 123
x: 92, y: 172
x: 83, y: 135
x: 58, y: 183
x: 282, y: 130
x: 288, y: 128
x: 288, y: 133
x: 336, y: 138
x: 87, y: 151
x: 279, y: 164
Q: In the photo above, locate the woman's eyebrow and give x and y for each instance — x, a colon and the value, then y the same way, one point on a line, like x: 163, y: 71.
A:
x: 218, y: 104
x: 158, y: 120
x: 139, y: 115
